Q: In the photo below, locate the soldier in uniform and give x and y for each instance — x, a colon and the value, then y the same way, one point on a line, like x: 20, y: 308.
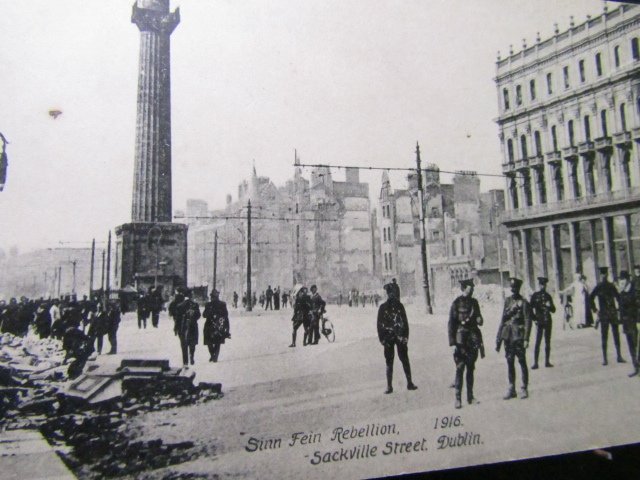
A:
x: 628, y: 317
x: 154, y: 304
x: 514, y: 331
x: 216, y: 325
x: 607, y: 295
x: 317, y: 309
x: 542, y: 307
x: 301, y: 314
x: 393, y: 333
x: 113, y: 322
x: 465, y: 336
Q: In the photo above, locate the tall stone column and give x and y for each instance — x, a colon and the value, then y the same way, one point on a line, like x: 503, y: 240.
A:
x: 152, y: 173
x: 151, y: 250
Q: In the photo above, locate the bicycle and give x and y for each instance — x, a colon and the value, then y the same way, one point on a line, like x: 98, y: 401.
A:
x: 328, y: 330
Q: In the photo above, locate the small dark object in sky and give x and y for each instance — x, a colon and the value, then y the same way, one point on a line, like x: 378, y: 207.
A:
x: 55, y: 113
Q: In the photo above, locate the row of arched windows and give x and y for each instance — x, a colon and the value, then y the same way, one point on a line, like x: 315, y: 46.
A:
x: 571, y: 134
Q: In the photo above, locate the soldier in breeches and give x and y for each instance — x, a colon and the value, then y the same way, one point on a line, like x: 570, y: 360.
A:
x: 393, y: 332
x: 542, y: 307
x: 466, y: 338
x: 628, y: 317
x: 514, y: 331
x: 607, y: 296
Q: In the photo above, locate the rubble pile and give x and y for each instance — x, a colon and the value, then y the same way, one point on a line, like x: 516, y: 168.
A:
x: 86, y: 419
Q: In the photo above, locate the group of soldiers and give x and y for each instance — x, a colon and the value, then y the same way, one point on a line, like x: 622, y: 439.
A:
x: 355, y: 298
x: 613, y: 305
x: 273, y: 298
x: 186, y: 313
x: 79, y: 324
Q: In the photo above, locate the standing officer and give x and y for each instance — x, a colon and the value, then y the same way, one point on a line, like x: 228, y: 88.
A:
x: 393, y: 333
x: 514, y: 331
x: 113, y: 323
x: 216, y: 325
x: 466, y: 338
x: 628, y: 317
x: 542, y: 307
x: 269, y: 299
x: 317, y: 309
x: 154, y: 304
x: 607, y: 295
x: 635, y: 282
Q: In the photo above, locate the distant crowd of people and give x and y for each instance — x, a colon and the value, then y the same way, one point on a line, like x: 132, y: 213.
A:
x: 81, y: 325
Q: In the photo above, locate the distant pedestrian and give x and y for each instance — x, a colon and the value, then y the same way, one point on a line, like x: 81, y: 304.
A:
x: 514, y: 332
x: 43, y: 321
x: 154, y: 304
x: 235, y: 299
x: 393, y: 333
x: 276, y: 299
x: 317, y: 309
x: 396, y: 287
x: 113, y: 323
x: 285, y: 299
x: 216, y: 325
x: 269, y: 299
x: 142, y: 309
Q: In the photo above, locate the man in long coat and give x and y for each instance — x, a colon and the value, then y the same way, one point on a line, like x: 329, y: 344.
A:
x: 317, y: 309
x: 301, y: 314
x: 393, y: 333
x: 216, y: 325
x: 514, y: 332
x: 188, y: 313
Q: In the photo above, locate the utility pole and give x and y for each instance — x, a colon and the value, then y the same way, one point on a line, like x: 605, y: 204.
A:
x: 108, y: 280
x: 73, y: 285
x: 59, y: 277
x: 215, y: 258
x: 249, y: 298
x: 423, y: 234
x: 93, y: 255
x: 102, y: 276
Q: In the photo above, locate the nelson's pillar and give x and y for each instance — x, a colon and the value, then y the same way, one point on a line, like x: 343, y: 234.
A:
x: 152, y: 250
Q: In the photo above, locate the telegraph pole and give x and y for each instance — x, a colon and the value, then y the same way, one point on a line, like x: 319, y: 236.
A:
x: 73, y: 285
x: 102, y: 276
x: 59, y: 277
x: 423, y: 234
x: 108, y: 280
x: 93, y: 255
x: 249, y: 298
x: 215, y: 258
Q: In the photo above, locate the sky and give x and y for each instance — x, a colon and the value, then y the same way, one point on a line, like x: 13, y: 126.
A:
x: 345, y: 82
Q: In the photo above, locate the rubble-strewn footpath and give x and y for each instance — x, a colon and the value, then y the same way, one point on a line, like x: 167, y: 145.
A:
x: 86, y: 419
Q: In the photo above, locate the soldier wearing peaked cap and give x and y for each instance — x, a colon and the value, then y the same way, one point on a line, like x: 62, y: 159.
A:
x: 628, y: 317
x: 635, y: 282
x: 605, y: 307
x: 465, y: 336
x: 514, y: 332
x: 542, y: 307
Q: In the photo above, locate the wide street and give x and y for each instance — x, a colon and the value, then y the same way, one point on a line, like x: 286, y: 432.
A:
x: 272, y: 392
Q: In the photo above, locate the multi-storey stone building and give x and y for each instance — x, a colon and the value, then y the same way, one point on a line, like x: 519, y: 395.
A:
x: 569, y: 120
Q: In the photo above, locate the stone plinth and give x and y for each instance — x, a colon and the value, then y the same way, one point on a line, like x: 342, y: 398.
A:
x: 146, y: 251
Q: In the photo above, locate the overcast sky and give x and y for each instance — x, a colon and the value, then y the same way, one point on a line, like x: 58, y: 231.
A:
x: 354, y: 82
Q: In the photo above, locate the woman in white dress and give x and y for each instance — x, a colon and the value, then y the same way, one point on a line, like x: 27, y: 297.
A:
x: 579, y: 300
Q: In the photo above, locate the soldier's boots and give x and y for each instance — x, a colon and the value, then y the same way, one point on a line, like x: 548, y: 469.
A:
x: 511, y: 393
x: 524, y: 393
x: 534, y: 366
x: 411, y: 385
x: 634, y: 373
x: 620, y: 359
x: 458, y: 403
x: 472, y: 400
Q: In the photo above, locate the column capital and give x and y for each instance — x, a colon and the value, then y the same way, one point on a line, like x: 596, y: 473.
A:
x: 152, y: 20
